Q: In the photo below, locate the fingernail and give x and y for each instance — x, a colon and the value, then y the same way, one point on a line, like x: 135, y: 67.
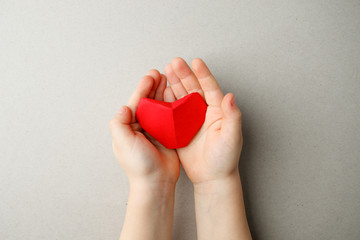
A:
x: 122, y: 110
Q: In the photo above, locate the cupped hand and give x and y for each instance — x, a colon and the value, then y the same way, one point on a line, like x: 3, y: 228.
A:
x: 143, y: 158
x: 214, y: 152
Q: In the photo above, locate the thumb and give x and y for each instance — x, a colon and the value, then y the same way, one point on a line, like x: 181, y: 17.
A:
x: 231, y: 124
x: 120, y: 125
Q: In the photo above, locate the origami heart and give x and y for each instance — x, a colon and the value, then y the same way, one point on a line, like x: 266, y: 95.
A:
x: 172, y: 124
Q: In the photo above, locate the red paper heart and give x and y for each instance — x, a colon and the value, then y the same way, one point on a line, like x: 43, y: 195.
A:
x: 172, y: 124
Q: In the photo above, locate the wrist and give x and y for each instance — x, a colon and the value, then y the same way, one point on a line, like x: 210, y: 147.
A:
x: 149, y: 210
x: 147, y: 190
x: 222, y: 185
x: 220, y: 203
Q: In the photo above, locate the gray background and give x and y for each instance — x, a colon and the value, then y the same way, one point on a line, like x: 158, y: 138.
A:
x: 67, y: 66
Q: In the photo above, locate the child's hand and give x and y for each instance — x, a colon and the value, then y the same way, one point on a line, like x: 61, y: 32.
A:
x: 143, y: 158
x: 211, y: 159
x: 214, y: 152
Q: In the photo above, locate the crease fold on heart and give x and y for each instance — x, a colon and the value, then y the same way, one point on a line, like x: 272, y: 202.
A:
x: 172, y: 124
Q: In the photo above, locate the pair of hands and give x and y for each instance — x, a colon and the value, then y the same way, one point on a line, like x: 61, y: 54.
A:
x: 213, y: 153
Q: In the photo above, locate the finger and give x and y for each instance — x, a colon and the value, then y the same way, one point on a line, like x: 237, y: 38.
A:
x: 175, y: 83
x: 186, y: 76
x: 142, y: 91
x: 157, y: 78
x: 169, y: 96
x: 120, y: 125
x: 231, y: 124
x: 159, y: 95
x: 212, y: 91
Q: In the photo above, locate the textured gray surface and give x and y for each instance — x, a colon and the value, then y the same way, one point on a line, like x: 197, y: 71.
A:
x: 67, y: 66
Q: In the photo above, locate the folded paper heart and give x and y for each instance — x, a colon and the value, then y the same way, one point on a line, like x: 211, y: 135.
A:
x: 172, y: 124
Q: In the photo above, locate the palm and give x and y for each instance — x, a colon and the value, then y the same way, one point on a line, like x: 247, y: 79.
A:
x: 204, y: 147
x: 158, y: 157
